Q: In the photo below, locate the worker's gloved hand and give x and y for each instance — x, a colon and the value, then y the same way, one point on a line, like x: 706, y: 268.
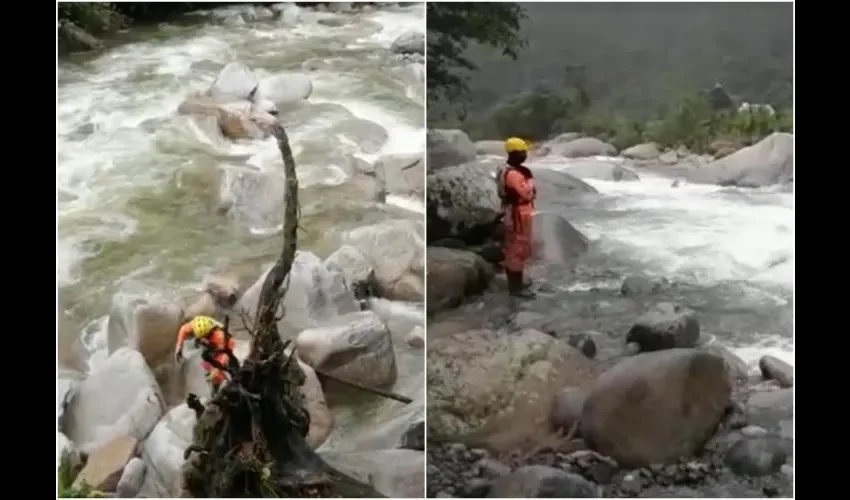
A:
x: 178, y: 355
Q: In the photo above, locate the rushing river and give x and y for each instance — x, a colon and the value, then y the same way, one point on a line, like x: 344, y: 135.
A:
x: 731, y: 249
x: 140, y: 187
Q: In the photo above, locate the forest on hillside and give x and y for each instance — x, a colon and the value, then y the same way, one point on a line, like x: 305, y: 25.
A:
x: 632, y: 61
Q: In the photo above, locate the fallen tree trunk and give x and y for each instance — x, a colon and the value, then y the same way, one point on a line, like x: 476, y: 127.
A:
x: 249, y: 440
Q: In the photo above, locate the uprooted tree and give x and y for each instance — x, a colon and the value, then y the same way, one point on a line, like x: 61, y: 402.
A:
x: 250, y: 438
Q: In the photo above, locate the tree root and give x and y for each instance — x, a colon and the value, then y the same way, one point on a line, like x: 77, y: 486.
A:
x: 250, y: 438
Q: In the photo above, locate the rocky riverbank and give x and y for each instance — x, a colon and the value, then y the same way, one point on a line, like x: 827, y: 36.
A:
x: 608, y: 383
x: 354, y: 304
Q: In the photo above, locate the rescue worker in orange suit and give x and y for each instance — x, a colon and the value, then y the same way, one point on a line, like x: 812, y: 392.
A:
x: 217, y: 348
x: 516, y: 188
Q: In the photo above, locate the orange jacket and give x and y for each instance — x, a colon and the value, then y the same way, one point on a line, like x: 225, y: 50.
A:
x: 216, y: 339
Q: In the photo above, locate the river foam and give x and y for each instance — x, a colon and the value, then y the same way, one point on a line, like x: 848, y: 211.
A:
x: 700, y: 234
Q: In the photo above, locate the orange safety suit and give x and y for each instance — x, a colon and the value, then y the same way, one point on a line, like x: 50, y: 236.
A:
x: 519, y: 210
x: 217, y: 339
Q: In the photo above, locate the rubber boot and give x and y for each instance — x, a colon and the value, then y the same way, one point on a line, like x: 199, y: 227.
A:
x: 515, y: 286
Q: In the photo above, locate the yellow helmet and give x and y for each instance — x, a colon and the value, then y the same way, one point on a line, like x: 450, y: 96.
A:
x: 515, y: 144
x: 203, y: 325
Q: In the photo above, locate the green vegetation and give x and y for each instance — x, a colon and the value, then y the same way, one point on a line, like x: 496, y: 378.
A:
x: 689, y: 122
x: 626, y: 73
x: 66, y: 481
x: 81, y: 23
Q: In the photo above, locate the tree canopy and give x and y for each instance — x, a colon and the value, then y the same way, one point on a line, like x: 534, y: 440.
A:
x: 451, y: 29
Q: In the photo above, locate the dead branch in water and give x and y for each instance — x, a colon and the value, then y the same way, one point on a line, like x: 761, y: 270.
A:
x: 250, y: 439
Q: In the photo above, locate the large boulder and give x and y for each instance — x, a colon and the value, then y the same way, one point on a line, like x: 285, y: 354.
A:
x: 495, y: 390
x: 119, y: 398
x: 578, y: 148
x: 601, y: 170
x: 396, y: 251
x: 447, y: 148
x: 768, y: 162
x: 237, y: 82
x: 666, y: 326
x: 454, y: 275
x: 146, y: 321
x: 555, y: 240
x: 162, y: 453
x: 645, y: 151
x: 402, y: 174
x: 315, y: 294
x: 356, y: 347
x: 656, y: 407
x: 462, y: 202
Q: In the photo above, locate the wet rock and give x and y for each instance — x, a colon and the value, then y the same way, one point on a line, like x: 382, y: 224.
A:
x: 357, y: 269
x: 645, y: 151
x: 355, y: 347
x: 414, y: 437
x: 402, y: 174
x: 104, y: 466
x: 757, y: 456
x: 494, y: 390
x: 639, y: 285
x: 162, y: 453
x: 447, y: 148
x: 583, y: 343
x: 132, y: 408
x: 454, y: 275
x: 147, y: 322
x: 284, y: 88
x: 768, y: 162
x: 537, y: 481
x: 396, y: 251
x: 769, y: 409
x: 567, y: 407
x: 667, y: 326
x: 656, y: 407
x: 411, y: 42
x: 773, y: 368
x: 131, y: 479
x: 555, y: 240
x: 416, y: 338
x: 220, y: 294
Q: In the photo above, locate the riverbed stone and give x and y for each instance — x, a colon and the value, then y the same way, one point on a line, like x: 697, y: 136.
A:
x: 666, y: 326
x: 120, y: 397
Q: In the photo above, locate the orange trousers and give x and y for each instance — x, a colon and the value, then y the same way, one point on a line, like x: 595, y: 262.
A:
x: 518, y: 219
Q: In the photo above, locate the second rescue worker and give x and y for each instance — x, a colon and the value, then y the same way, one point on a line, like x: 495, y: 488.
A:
x: 515, y: 185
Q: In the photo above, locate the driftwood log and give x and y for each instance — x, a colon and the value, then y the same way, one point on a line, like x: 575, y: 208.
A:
x: 249, y: 440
